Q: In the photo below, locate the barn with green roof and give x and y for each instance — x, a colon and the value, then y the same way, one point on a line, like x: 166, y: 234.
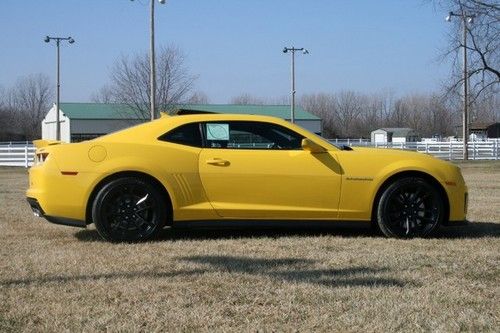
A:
x: 84, y: 121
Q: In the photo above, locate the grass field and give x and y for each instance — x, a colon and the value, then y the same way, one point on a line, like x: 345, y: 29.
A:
x: 55, y: 278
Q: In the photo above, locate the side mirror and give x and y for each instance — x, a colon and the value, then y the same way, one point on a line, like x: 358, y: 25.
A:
x: 312, y: 146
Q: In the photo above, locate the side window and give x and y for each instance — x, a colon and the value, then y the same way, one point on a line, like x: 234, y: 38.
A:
x: 188, y: 135
x: 250, y: 135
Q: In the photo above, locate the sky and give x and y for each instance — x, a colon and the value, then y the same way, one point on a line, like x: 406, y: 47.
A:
x: 234, y: 46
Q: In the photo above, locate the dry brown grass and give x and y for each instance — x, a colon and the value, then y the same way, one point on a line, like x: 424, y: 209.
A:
x: 55, y: 278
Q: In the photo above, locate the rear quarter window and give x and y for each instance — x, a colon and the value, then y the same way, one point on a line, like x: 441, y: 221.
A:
x: 188, y: 135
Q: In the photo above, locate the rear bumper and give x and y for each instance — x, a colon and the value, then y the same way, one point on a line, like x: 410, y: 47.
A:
x: 38, y: 211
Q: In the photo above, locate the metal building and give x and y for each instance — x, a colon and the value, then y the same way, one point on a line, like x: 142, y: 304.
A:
x: 84, y: 121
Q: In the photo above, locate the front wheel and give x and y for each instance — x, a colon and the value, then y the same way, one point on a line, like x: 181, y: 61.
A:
x: 410, y: 207
x: 129, y: 209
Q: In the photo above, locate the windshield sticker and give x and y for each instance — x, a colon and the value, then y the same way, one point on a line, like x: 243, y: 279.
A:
x: 218, y: 132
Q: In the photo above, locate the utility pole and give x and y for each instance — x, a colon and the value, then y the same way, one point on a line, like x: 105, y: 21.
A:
x: 152, y: 76
x: 465, y: 114
x: 465, y: 120
x: 292, y: 78
x: 152, y: 60
x: 58, y: 59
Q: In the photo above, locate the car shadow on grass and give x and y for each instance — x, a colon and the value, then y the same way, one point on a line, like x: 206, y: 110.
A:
x: 57, y: 279
x: 214, y: 231
x: 287, y: 270
x: 471, y: 230
x: 296, y: 270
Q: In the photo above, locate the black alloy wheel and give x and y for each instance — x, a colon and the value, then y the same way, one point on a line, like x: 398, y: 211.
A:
x: 129, y: 209
x: 410, y: 207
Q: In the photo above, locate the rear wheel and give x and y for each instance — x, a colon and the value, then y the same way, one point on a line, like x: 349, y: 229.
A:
x: 410, y: 207
x: 129, y: 209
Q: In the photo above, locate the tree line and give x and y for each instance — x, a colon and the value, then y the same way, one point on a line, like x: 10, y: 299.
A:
x: 344, y: 113
x: 351, y: 114
x: 23, y: 107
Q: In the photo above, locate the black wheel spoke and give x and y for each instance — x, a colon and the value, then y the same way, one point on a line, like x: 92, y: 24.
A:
x: 400, y: 199
x: 143, y: 221
x: 144, y: 208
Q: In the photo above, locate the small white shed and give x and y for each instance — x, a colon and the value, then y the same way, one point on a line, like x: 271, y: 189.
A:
x: 84, y: 121
x: 394, y: 135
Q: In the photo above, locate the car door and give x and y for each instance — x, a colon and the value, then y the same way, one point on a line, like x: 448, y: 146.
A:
x: 259, y: 170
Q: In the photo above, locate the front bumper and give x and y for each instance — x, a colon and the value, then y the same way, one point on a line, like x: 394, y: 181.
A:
x: 39, y: 212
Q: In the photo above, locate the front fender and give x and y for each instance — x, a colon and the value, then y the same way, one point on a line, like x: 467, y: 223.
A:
x: 365, y: 172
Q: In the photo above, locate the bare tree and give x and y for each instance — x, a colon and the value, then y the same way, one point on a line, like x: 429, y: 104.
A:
x: 483, y: 45
x: 377, y: 111
x: 247, y: 99
x: 428, y: 114
x: 29, y: 100
x: 486, y: 110
x: 103, y: 95
x: 198, y: 97
x: 348, y: 109
x: 130, y: 84
x: 322, y: 105
x: 278, y: 100
x: 2, y: 97
x: 4, y: 116
x: 352, y: 114
x: 437, y: 118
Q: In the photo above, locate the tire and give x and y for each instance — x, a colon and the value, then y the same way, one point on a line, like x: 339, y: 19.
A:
x: 129, y: 209
x: 410, y: 207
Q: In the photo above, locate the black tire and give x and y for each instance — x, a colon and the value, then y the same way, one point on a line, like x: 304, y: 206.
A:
x: 410, y: 207
x: 129, y: 209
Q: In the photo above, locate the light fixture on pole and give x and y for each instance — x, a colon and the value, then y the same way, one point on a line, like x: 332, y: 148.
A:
x: 58, y: 41
x: 292, y: 92
x: 152, y: 60
x: 465, y: 115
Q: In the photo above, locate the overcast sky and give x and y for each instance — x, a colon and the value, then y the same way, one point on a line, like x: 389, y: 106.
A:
x: 234, y: 46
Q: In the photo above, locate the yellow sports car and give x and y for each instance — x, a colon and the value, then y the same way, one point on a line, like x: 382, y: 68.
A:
x: 220, y: 167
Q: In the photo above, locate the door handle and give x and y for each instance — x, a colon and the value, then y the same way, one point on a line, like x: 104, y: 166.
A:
x: 218, y: 161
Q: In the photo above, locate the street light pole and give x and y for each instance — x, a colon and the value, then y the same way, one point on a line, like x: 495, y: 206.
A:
x: 465, y: 115
x: 58, y: 65
x: 152, y: 76
x: 58, y: 90
x: 465, y: 120
x: 292, y: 104
x: 292, y: 78
x: 152, y: 60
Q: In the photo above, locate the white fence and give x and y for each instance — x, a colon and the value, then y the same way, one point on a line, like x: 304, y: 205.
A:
x: 22, y: 153
x: 449, y: 150
x: 16, y: 153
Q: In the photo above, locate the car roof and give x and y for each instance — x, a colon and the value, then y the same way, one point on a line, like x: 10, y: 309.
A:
x: 166, y: 122
x: 224, y: 116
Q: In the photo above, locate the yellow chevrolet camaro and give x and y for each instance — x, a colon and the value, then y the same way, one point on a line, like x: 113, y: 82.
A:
x: 219, y: 167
